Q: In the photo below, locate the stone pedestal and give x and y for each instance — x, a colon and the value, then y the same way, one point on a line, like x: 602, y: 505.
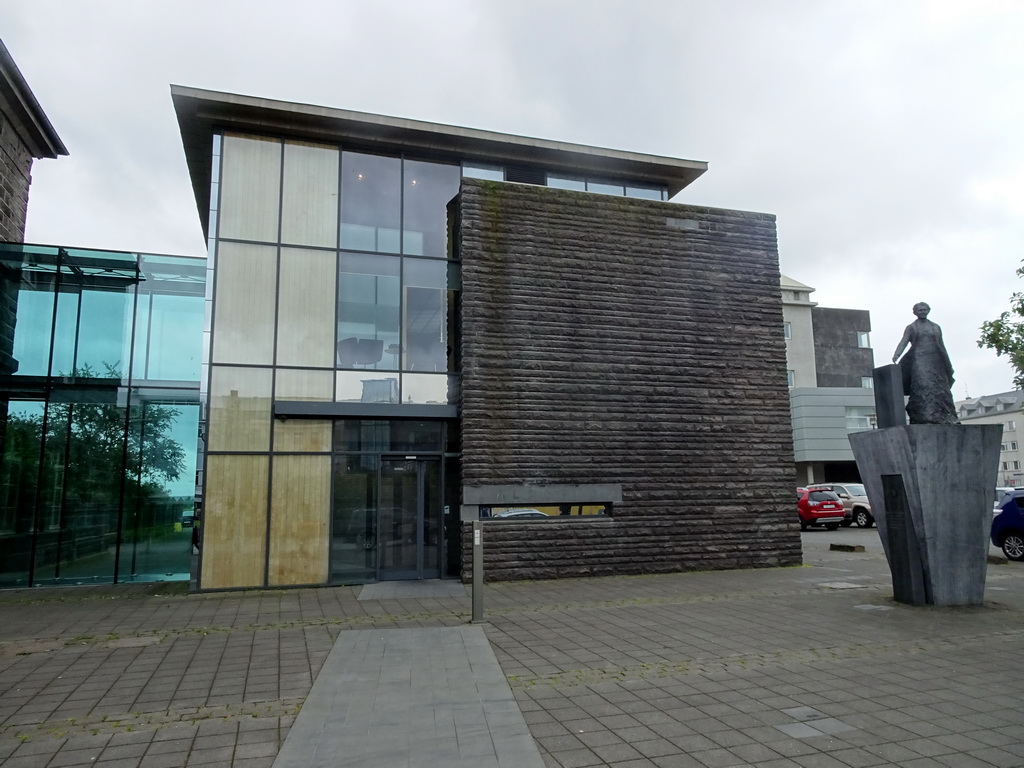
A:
x: 930, y: 487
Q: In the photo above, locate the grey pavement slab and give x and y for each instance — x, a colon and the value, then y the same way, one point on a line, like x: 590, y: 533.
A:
x: 398, y: 590
x: 405, y: 697
x: 687, y: 669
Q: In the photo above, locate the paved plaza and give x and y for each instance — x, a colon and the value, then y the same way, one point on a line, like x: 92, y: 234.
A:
x: 806, y: 667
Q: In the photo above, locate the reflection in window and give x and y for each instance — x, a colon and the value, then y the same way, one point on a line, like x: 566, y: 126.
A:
x: 646, y: 193
x: 384, y: 435
x: 371, y: 189
x: 366, y: 387
x: 426, y: 319
x: 565, y: 182
x: 428, y: 388
x: 604, y: 188
x: 368, y: 312
x: 486, y: 172
x: 429, y: 187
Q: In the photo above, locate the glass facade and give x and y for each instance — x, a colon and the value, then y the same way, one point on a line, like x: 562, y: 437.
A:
x: 100, y: 356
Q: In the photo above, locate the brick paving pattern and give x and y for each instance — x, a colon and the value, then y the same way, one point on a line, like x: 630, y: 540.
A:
x: 809, y: 667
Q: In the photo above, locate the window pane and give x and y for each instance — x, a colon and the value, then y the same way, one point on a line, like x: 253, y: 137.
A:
x: 104, y: 333
x: 158, y: 511
x: 19, y: 476
x: 429, y: 187
x: 647, y: 193
x: 368, y: 312
x: 603, y: 188
x: 243, y: 325
x: 33, y: 325
x: 250, y: 188
x: 488, y: 172
x: 425, y: 343
x: 354, y: 520
x: 305, y: 320
x: 371, y: 188
x: 169, y: 337
x: 239, y: 417
x: 366, y: 387
x: 309, y: 207
x: 384, y: 435
x: 429, y: 388
x: 562, y: 182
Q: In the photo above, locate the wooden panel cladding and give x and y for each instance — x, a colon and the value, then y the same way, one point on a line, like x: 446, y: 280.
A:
x: 239, y: 418
x: 243, y: 318
x: 309, y: 206
x: 306, y: 307
x: 303, y: 435
x: 300, y: 520
x: 250, y: 187
x: 235, y: 522
x: 618, y: 340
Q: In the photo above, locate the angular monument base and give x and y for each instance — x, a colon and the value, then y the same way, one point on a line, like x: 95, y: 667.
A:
x: 930, y: 487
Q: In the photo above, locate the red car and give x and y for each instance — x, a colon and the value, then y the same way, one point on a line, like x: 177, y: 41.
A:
x: 819, y: 507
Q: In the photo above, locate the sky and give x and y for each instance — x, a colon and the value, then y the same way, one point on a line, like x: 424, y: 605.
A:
x: 887, y: 137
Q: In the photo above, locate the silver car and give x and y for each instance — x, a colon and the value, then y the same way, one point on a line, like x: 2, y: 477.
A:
x: 855, y: 502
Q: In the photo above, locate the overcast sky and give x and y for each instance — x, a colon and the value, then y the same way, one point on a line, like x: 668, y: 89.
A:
x: 886, y: 136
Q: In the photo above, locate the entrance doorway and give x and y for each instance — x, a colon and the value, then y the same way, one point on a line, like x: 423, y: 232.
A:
x: 409, y: 518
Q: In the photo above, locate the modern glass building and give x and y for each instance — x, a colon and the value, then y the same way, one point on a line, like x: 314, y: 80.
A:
x: 355, y: 401
x: 100, y: 355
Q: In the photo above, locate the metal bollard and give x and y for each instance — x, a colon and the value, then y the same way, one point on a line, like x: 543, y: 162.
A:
x: 478, y: 571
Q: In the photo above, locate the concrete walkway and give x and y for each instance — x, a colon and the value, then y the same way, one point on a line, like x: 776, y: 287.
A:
x: 808, y: 667
x: 410, y: 697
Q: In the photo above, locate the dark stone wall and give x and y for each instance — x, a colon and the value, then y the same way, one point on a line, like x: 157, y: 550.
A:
x: 15, y: 170
x: 838, y: 361
x: 615, y: 340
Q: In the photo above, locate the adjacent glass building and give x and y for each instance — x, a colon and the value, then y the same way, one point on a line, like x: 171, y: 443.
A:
x: 100, y: 356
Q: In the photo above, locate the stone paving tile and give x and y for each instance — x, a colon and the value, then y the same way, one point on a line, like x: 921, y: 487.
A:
x: 704, y: 664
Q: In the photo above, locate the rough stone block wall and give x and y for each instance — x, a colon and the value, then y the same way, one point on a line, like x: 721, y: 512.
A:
x: 15, y: 170
x: 616, y: 340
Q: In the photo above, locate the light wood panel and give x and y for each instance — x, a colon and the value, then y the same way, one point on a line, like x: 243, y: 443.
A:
x: 239, y: 418
x: 250, y: 187
x: 299, y: 529
x: 243, y: 320
x: 309, y: 206
x: 305, y: 324
x: 234, y: 521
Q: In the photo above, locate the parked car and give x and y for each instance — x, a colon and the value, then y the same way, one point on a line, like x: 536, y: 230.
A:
x: 856, y: 507
x: 819, y: 506
x: 997, y: 500
x: 519, y: 514
x: 1008, y: 525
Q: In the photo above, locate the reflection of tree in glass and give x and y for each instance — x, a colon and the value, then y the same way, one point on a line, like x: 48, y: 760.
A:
x: 87, y: 458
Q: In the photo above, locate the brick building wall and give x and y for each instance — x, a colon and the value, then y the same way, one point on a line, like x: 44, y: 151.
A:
x: 615, y: 340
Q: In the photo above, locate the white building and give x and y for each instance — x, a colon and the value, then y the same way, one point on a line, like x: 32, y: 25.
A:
x: 1005, y: 409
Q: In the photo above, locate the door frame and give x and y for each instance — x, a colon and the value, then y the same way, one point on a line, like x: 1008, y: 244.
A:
x: 422, y: 505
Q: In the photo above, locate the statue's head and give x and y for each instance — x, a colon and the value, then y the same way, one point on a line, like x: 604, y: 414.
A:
x: 921, y: 309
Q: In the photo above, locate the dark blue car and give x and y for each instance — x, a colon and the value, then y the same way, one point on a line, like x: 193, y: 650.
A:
x: 1008, y: 525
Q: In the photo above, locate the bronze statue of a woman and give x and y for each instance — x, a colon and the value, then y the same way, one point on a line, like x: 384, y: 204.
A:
x: 926, y: 370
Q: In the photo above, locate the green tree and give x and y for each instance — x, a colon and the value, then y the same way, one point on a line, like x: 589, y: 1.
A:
x: 1005, y: 335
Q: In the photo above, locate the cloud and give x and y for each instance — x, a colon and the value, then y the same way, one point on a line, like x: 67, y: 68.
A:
x: 885, y: 136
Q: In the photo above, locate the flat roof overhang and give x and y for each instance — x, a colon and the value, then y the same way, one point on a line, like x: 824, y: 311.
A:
x: 200, y: 113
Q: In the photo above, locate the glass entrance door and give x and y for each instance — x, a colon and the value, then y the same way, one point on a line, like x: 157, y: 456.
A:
x: 409, y: 519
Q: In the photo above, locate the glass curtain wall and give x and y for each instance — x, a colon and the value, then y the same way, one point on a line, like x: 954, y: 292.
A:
x: 99, y: 371
x: 333, y: 283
